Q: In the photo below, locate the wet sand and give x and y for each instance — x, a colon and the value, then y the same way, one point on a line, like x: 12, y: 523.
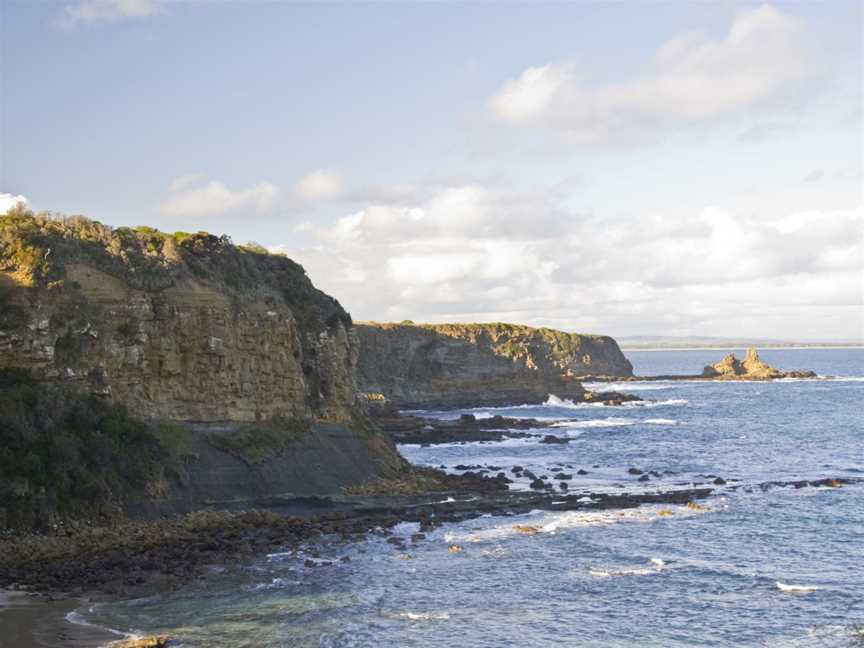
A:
x: 35, y: 622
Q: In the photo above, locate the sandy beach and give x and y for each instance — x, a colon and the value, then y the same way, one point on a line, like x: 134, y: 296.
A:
x: 34, y: 622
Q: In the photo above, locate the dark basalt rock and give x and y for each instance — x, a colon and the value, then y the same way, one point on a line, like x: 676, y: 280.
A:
x: 554, y: 440
x: 110, y: 560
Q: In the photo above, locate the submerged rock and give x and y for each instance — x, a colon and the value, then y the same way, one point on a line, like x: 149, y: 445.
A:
x: 552, y: 439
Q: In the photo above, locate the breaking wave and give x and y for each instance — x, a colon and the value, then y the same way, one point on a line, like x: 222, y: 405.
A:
x: 796, y: 589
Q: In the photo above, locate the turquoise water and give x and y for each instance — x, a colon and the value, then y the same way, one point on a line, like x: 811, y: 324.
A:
x: 780, y: 567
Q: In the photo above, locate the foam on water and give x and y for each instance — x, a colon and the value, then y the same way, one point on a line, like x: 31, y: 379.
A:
x: 76, y: 618
x: 424, y: 616
x: 546, y: 522
x: 627, y: 386
x: 596, y: 423
x: 796, y: 589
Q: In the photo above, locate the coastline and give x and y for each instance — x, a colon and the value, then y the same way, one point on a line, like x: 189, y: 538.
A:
x: 39, y: 620
x: 34, y: 621
x: 740, y: 347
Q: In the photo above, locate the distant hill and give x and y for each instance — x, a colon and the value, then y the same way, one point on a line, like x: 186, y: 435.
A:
x: 636, y: 342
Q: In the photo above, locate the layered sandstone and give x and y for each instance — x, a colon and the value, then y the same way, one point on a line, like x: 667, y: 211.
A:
x: 451, y: 365
x: 191, y: 328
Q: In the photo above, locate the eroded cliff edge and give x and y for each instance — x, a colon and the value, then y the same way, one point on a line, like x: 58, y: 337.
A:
x: 191, y: 328
x: 453, y: 365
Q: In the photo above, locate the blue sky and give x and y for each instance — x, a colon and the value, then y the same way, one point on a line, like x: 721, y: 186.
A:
x: 640, y: 167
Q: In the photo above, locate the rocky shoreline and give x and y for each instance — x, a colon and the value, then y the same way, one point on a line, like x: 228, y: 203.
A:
x: 468, y: 428
x: 134, y: 559
x: 139, y: 558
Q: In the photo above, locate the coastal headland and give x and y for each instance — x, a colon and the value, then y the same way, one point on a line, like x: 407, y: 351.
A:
x: 173, y: 401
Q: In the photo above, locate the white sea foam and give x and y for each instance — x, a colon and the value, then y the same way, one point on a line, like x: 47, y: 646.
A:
x: 551, y: 522
x: 553, y: 401
x: 657, y: 563
x: 75, y: 618
x: 642, y: 571
x: 663, y: 403
x: 280, y: 554
x: 405, y: 528
x: 796, y: 589
x: 424, y: 616
x: 626, y: 386
x: 661, y: 421
x: 596, y: 423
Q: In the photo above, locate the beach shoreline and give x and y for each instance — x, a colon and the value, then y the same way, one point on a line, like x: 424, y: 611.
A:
x: 32, y: 620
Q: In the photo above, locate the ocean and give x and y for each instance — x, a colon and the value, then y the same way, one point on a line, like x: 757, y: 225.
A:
x: 751, y: 566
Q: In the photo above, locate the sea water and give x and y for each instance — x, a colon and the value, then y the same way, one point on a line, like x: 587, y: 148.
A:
x: 750, y: 567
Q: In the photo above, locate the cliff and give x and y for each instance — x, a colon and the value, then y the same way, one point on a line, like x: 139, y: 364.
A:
x: 751, y: 368
x: 452, y: 365
x: 191, y: 328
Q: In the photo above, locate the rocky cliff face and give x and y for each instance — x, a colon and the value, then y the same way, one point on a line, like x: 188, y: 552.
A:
x: 188, y: 328
x: 451, y: 365
x: 751, y: 368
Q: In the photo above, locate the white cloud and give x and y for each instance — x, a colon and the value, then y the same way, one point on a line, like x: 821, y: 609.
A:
x: 107, y: 11
x: 8, y: 201
x: 814, y: 176
x: 481, y: 252
x: 694, y: 79
x: 319, y: 185
x: 194, y: 195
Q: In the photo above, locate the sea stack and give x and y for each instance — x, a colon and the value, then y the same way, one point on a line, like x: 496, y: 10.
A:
x: 751, y: 368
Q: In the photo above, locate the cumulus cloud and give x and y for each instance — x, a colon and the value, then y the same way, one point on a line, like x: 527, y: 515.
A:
x: 107, y: 11
x: 8, y: 200
x: 194, y: 195
x: 694, y: 79
x: 319, y: 185
x: 474, y: 252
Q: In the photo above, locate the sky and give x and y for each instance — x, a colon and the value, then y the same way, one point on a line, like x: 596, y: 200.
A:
x: 640, y: 168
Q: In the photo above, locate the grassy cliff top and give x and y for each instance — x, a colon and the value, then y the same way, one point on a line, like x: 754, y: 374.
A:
x: 36, y: 249
x: 493, y: 329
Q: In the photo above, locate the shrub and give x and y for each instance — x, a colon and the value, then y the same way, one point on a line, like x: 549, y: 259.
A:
x: 65, y: 455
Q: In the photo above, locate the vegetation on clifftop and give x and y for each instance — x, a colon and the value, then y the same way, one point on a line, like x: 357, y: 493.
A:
x: 514, y: 341
x: 36, y: 248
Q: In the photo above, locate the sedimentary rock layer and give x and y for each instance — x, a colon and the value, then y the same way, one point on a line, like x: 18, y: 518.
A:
x: 189, y: 327
x: 479, y: 364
